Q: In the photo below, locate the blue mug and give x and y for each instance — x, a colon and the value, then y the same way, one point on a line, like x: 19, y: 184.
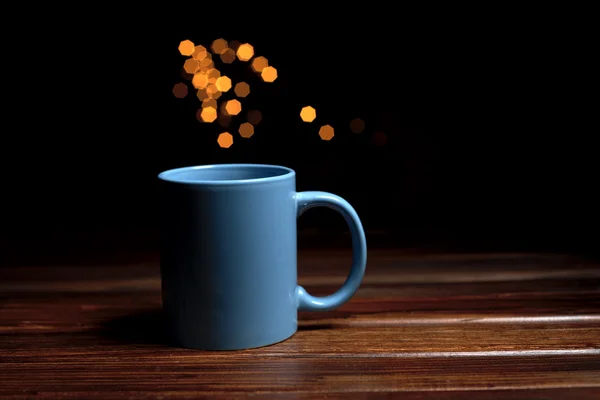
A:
x: 229, y: 251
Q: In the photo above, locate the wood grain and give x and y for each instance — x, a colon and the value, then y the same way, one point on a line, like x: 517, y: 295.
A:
x: 422, y: 326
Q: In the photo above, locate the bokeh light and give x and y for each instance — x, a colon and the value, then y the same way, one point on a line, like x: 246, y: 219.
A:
x: 326, y: 132
x: 254, y: 117
x: 180, y: 90
x: 379, y: 138
x: 228, y: 56
x: 200, y: 80
x: 219, y: 46
x: 308, y: 114
x: 202, y: 95
x: 233, y: 107
x: 213, y: 74
x: 246, y: 130
x: 206, y: 63
x: 224, y: 120
x: 245, y: 52
x: 242, y: 89
x: 208, y: 114
x: 269, y: 74
x: 259, y: 63
x: 212, y: 89
x: 225, y: 140
x: 223, y: 83
x: 200, y: 53
x: 186, y: 48
x: 209, y: 102
x: 357, y: 125
x: 201, y: 67
x: 191, y: 66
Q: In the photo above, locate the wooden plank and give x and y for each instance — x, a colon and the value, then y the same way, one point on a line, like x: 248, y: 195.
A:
x: 525, y: 326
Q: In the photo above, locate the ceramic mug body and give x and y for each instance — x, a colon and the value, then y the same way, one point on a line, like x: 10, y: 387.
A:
x: 228, y: 255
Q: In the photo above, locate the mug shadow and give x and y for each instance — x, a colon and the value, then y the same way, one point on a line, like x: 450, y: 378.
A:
x: 144, y: 327
x: 148, y: 327
x: 315, y: 327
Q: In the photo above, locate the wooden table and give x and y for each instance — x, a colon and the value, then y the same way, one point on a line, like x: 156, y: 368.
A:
x: 422, y: 326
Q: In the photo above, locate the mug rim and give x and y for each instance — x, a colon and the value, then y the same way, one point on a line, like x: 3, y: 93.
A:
x: 170, y: 174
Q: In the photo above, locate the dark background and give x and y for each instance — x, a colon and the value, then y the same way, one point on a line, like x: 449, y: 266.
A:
x: 488, y: 122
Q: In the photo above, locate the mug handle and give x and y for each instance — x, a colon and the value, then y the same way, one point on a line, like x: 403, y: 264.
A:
x: 307, y: 302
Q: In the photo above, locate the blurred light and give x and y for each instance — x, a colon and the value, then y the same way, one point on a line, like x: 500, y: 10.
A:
x: 269, y: 74
x: 259, y: 63
x: 208, y: 114
x: 224, y: 120
x: 200, y: 53
x: 211, y: 89
x: 225, y: 140
x: 209, y: 102
x: 326, y: 132
x: 245, y: 52
x: 357, y: 125
x: 216, y: 95
x: 223, y: 83
x: 191, y: 66
x: 202, y: 95
x: 254, y: 117
x: 213, y: 74
x: 234, y: 45
x: 246, y: 130
x: 186, y: 48
x: 228, y: 56
x: 242, y: 89
x: 219, y: 46
x: 180, y: 90
x: 200, y: 80
x: 233, y: 107
x: 379, y: 138
x: 206, y: 63
x: 308, y: 114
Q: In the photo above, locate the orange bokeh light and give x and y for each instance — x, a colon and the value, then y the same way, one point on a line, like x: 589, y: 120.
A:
x: 191, y: 66
x: 242, y: 89
x: 208, y: 114
x: 200, y: 80
x: 326, y: 132
x: 211, y: 89
x: 213, y: 74
x: 206, y: 63
x: 209, y: 102
x: 269, y: 74
x: 245, y: 52
x: 180, y: 90
x: 233, y: 107
x: 224, y: 120
x: 202, y: 95
x: 308, y: 114
x: 225, y: 140
x: 186, y: 48
x: 357, y: 125
x: 200, y: 53
x: 228, y: 56
x: 254, y: 117
x: 259, y: 63
x: 246, y: 130
x: 223, y: 83
x: 219, y: 46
